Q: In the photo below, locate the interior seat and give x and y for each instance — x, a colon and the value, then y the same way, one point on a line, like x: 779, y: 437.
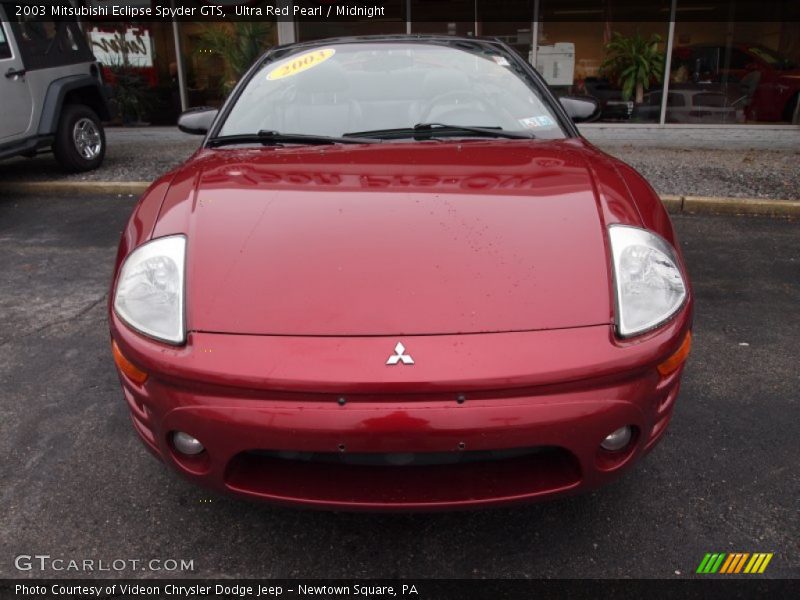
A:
x: 322, y: 103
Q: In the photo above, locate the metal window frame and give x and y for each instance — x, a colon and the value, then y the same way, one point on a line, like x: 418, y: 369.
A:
x: 662, y: 118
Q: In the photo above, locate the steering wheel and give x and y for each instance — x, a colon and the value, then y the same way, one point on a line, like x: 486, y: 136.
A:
x: 453, y: 96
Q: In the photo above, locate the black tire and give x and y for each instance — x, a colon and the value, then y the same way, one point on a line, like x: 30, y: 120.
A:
x: 80, y: 149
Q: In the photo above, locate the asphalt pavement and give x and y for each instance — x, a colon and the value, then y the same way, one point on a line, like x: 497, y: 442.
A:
x: 77, y: 483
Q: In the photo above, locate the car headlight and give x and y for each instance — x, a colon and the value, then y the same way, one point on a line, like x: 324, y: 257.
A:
x: 648, y: 282
x: 149, y: 293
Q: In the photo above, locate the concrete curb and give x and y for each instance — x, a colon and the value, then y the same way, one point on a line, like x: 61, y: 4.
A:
x: 75, y: 187
x: 674, y: 204
x: 741, y: 206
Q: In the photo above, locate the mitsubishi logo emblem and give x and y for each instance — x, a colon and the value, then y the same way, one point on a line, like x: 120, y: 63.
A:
x: 400, y: 356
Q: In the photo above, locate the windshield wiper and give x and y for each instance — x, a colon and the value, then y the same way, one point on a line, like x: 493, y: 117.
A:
x: 426, y: 131
x: 267, y: 137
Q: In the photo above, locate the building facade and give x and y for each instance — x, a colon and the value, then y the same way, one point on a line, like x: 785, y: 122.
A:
x: 705, y: 62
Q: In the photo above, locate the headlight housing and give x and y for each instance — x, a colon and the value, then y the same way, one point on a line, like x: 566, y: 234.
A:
x: 648, y: 282
x: 150, y: 289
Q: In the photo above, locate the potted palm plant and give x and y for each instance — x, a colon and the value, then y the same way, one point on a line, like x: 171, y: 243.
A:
x: 634, y: 62
x: 239, y: 45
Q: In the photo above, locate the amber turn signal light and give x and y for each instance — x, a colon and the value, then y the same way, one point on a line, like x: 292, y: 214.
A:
x: 131, y: 371
x: 678, y: 358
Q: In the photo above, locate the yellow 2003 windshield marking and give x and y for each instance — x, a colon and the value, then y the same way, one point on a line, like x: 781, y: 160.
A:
x: 301, y: 62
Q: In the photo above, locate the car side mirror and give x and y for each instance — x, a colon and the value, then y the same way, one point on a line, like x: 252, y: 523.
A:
x: 580, y: 108
x: 197, y: 121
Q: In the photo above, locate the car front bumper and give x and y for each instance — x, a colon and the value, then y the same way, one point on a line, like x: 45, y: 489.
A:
x: 478, y: 419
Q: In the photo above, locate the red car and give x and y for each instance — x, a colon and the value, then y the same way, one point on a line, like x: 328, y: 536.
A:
x: 770, y: 83
x: 394, y: 276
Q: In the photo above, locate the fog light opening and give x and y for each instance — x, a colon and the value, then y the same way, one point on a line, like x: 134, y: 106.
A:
x: 617, y: 440
x: 186, y: 444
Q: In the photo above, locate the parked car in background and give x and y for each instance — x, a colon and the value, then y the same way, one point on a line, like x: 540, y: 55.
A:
x: 774, y: 80
x: 52, y: 93
x: 609, y: 97
x: 692, y: 104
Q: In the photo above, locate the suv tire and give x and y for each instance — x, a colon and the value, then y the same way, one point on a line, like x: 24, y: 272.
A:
x: 80, y: 142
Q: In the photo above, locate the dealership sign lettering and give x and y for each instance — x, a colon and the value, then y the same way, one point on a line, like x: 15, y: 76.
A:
x: 133, y: 47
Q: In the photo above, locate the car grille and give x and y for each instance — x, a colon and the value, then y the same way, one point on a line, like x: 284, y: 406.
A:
x: 419, y: 478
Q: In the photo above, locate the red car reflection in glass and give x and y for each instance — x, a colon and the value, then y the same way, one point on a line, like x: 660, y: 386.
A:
x: 395, y: 277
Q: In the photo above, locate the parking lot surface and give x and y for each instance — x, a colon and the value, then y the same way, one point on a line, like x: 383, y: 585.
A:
x: 77, y: 483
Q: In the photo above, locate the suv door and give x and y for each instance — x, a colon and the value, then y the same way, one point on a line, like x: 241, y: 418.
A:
x: 17, y: 106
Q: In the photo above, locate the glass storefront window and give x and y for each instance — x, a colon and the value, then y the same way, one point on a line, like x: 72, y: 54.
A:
x: 140, y: 64
x: 138, y: 61
x: 586, y: 47
x: 589, y: 47
x: 216, y: 54
x: 734, y: 72
x: 722, y: 69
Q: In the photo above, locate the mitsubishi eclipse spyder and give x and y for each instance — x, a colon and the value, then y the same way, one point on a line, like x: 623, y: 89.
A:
x: 395, y: 277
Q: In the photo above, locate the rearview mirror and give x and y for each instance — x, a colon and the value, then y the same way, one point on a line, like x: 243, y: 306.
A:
x: 580, y: 108
x: 197, y: 121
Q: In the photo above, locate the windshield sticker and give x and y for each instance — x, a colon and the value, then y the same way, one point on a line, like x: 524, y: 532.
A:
x: 533, y: 122
x: 501, y: 60
x: 301, y: 62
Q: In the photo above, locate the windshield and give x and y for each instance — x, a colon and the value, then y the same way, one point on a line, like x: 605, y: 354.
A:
x: 365, y: 87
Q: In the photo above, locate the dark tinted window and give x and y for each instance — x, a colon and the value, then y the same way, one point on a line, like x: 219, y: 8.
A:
x: 45, y: 44
x: 5, y: 49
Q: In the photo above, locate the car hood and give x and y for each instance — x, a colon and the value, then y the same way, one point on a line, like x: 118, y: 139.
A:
x: 401, y: 239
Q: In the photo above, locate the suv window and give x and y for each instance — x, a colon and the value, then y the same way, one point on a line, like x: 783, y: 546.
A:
x: 5, y: 48
x: 45, y: 44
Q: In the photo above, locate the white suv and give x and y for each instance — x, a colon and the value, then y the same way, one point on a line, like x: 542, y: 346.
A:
x: 52, y: 91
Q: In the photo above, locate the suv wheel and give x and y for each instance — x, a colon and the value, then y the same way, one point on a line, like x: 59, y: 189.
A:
x: 80, y: 142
